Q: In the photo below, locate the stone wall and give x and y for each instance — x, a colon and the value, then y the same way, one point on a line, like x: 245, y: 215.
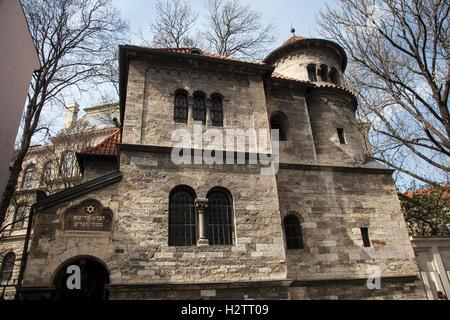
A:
x: 137, y: 250
x: 328, y: 111
x: 401, y: 288
x: 151, y: 91
x: 332, y: 206
x: 295, y: 64
x: 299, y: 144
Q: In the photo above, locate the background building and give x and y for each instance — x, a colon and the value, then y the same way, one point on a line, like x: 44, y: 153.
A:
x: 49, y: 168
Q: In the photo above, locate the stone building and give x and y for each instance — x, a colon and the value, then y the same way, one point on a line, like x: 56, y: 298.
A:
x: 49, y: 168
x: 326, y: 224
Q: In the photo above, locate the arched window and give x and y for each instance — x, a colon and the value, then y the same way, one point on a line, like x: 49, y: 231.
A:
x: 7, y: 267
x: 28, y: 177
x: 220, y: 218
x: 293, y: 232
x: 19, y: 217
x: 47, y: 173
x: 312, y: 75
x: 323, y: 73
x: 182, y: 217
x: 278, y: 122
x: 181, y: 107
x: 199, y: 108
x: 334, y: 77
x: 216, y: 110
x: 68, y: 164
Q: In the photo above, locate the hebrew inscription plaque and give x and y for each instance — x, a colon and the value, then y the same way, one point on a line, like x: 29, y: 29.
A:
x: 89, y: 215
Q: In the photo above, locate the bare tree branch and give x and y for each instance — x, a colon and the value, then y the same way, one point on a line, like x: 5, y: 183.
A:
x: 399, y: 67
x: 73, y: 39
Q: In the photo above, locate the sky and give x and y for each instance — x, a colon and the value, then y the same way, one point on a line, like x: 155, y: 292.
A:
x: 139, y: 13
x: 301, y: 13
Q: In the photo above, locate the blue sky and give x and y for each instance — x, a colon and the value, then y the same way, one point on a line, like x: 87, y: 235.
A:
x: 282, y: 13
x: 138, y: 13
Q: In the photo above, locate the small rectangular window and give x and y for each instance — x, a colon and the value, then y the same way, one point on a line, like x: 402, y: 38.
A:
x: 365, y: 237
x: 340, y: 132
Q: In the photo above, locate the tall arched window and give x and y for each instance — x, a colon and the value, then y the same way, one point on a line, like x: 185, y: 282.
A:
x: 181, y: 107
x: 278, y: 122
x: 334, y: 77
x: 19, y: 217
x: 216, y: 110
x: 68, y: 164
x: 47, y: 173
x: 199, y: 108
x: 220, y: 217
x: 312, y: 75
x: 293, y: 232
x: 28, y: 177
x: 323, y: 72
x: 182, y: 217
x: 7, y: 267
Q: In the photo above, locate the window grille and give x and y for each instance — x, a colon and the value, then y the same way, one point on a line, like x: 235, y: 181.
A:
x: 216, y: 112
x: 293, y: 232
x: 181, y: 108
x: 220, y: 219
x: 182, y: 219
x: 199, y: 109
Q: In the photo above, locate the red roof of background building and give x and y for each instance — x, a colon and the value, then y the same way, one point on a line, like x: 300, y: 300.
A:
x: 446, y: 194
x: 107, y: 146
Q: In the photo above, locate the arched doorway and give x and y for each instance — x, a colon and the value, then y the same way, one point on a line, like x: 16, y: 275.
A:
x: 93, y: 278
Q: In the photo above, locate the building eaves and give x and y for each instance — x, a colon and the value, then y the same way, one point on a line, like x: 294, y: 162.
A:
x: 79, y: 190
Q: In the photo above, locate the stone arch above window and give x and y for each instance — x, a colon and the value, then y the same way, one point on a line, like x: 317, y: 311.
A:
x: 323, y: 72
x: 7, y: 267
x: 28, y: 176
x: 181, y: 109
x: 278, y: 121
x: 293, y: 232
x: 199, y: 107
x: 88, y: 215
x: 312, y: 72
x: 182, y: 217
x: 220, y: 217
x: 216, y: 110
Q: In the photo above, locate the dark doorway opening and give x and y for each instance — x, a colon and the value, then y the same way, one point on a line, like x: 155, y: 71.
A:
x: 93, y: 278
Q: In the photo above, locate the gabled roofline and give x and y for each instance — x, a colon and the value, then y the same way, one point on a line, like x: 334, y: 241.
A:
x: 76, y: 191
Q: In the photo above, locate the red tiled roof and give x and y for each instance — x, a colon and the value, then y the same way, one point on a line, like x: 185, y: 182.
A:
x: 107, y: 146
x: 446, y: 194
x: 280, y: 76
x: 292, y: 39
x: 315, y: 85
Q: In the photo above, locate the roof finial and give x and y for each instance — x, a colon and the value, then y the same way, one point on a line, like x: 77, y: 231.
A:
x: 292, y: 30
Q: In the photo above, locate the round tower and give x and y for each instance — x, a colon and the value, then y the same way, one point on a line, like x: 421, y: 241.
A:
x: 331, y: 107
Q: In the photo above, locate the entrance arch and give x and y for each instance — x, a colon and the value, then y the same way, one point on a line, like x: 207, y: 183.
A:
x: 93, y: 278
